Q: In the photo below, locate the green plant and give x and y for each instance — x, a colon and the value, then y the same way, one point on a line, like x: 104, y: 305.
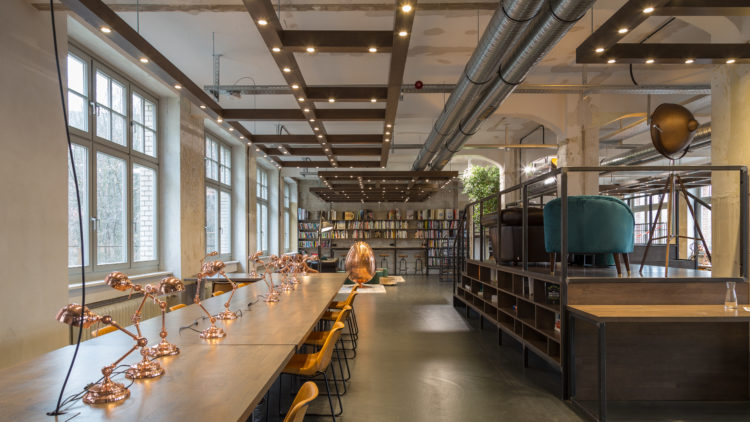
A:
x: 480, y: 182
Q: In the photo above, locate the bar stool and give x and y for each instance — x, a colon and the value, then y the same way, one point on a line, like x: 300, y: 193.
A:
x: 402, y: 265
x: 384, y: 260
x: 418, y: 264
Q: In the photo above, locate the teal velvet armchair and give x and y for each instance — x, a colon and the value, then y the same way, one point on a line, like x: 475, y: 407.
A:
x: 596, y: 225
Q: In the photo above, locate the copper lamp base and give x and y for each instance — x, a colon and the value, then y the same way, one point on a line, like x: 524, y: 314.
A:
x: 212, y: 332
x: 106, y: 391
x: 271, y: 298
x: 226, y: 315
x: 144, y: 369
x: 164, y: 348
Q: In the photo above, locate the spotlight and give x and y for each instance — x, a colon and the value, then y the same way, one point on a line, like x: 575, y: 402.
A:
x: 310, y: 49
x: 403, y: 34
x: 373, y: 50
x: 406, y: 8
x: 648, y: 10
x: 144, y: 60
x: 105, y: 29
x: 262, y: 22
x: 622, y: 30
x: 599, y: 50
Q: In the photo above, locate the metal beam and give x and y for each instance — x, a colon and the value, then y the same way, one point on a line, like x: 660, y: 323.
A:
x: 281, y: 114
x: 312, y: 139
x: 315, y: 152
x: 671, y: 53
x: 704, y: 8
x: 346, y: 93
x: 337, y: 41
x: 327, y: 164
x: 229, y: 7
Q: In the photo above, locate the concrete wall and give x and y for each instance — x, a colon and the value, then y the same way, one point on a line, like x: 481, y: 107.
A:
x: 33, y: 168
x: 192, y: 189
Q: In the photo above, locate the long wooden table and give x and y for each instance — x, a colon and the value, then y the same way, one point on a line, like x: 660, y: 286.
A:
x: 601, y: 315
x: 209, y: 380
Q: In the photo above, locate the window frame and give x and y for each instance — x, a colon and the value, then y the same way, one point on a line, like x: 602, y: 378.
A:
x: 262, y: 202
x: 220, y: 187
x: 287, y: 215
x: 94, y: 145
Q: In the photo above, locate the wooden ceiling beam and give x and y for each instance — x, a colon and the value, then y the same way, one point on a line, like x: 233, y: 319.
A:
x: 281, y: 114
x: 403, y: 21
x: 337, y: 41
x: 327, y: 164
x: 672, y: 53
x: 347, y: 93
x: 314, y: 152
x: 313, y: 140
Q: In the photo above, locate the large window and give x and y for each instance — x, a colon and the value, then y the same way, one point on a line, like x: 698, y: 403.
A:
x: 261, y: 215
x: 117, y: 169
x: 218, y: 197
x: 287, y: 218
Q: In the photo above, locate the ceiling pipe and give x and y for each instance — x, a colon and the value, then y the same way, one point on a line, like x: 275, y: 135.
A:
x: 648, y: 153
x: 508, y: 21
x: 545, y: 30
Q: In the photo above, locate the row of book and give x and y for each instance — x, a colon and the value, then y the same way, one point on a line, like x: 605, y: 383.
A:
x: 371, y: 225
x: 308, y: 226
x: 437, y: 224
x: 369, y: 215
x: 434, y: 234
x: 307, y: 235
x: 308, y: 243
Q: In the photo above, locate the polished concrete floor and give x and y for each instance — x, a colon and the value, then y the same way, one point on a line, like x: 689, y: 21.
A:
x: 420, y: 359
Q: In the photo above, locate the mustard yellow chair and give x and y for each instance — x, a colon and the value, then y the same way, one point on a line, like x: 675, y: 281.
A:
x: 104, y: 330
x: 318, y: 338
x: 218, y: 293
x: 310, y: 365
x: 353, y: 334
x: 176, y: 307
x: 307, y: 393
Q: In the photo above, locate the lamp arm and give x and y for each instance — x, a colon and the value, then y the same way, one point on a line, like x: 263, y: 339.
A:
x: 107, y: 370
x: 120, y: 327
x: 234, y: 288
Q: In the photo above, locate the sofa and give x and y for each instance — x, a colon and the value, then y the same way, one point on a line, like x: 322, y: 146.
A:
x: 507, y: 243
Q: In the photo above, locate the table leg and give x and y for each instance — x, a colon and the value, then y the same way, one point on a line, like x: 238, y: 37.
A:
x: 602, y: 328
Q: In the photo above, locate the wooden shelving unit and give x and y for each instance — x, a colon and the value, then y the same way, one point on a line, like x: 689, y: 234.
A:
x: 517, y: 302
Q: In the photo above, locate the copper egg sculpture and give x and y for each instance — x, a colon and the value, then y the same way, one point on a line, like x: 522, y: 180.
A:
x: 672, y: 130
x: 360, y: 263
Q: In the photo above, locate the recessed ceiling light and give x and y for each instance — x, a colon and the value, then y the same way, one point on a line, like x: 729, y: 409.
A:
x: 231, y: 129
x: 262, y: 22
x: 388, y: 125
x: 730, y: 61
x: 610, y: 61
x: 295, y: 86
x: 622, y: 30
x: 177, y: 86
x: 219, y: 119
x: 257, y: 149
x: 203, y: 106
x: 373, y: 100
x: 599, y: 50
x: 301, y: 99
x: 387, y: 133
x: 307, y: 110
x: 406, y: 8
x: 689, y: 61
x: 648, y: 10
x: 286, y: 70
x: 331, y: 100
x: 403, y: 33
x: 276, y: 49
x: 387, y: 140
x: 312, y: 120
x: 373, y: 50
x: 316, y: 128
x: 242, y: 137
x: 649, y: 61
x: 320, y: 136
x: 144, y: 60
x: 310, y: 49
x: 105, y: 29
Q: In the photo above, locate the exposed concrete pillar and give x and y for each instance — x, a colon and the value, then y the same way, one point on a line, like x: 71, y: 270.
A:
x: 192, y: 189
x: 580, y: 145
x: 682, y: 218
x: 730, y: 131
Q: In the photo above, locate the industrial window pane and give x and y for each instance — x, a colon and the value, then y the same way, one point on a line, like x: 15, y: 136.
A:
x: 212, y: 159
x: 225, y: 230
x: 111, y: 209
x: 287, y: 231
x: 286, y: 195
x: 225, y: 163
x: 80, y: 158
x: 77, y: 93
x: 144, y: 213
x: 212, y: 220
x: 110, y: 109
x: 144, y: 125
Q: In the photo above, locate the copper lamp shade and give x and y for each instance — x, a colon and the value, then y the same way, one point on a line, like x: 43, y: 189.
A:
x: 77, y: 316
x: 672, y: 130
x: 360, y: 263
x: 170, y: 285
x: 118, y: 281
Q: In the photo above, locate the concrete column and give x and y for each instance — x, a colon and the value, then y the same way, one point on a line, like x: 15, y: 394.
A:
x: 682, y: 216
x: 192, y: 189
x: 580, y: 145
x: 730, y: 130
x: 252, y: 201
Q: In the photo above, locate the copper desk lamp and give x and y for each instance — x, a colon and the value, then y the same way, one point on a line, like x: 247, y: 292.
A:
x: 272, y: 295
x: 212, y: 332
x: 360, y: 263
x: 146, y: 368
x: 672, y: 131
x: 217, y: 267
x: 253, y: 259
x: 106, y: 390
x: 167, y: 286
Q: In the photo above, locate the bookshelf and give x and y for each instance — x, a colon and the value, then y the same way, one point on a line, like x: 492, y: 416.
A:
x: 430, y: 229
x: 524, y: 305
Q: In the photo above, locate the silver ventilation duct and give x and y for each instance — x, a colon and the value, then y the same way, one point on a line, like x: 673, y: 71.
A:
x: 509, y: 20
x: 541, y: 35
x: 648, y: 153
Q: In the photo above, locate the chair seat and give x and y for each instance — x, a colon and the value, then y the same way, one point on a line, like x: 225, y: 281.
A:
x: 330, y: 315
x: 301, y: 364
x: 337, y: 304
x: 317, y: 338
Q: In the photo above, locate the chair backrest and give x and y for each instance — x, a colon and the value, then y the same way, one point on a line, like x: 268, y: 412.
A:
x: 104, y: 330
x: 217, y: 293
x: 176, y: 307
x: 307, y: 393
x: 350, y: 299
x: 242, y: 284
x: 344, y: 314
x: 323, y: 358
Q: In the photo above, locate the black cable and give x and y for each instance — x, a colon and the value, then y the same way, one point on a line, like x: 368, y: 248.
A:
x: 80, y: 214
x: 662, y: 26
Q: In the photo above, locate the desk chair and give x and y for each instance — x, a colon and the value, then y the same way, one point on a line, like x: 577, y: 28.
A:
x: 307, y: 393
x: 330, y: 316
x: 311, y: 365
x: 318, y: 338
x: 104, y: 330
x: 176, y: 307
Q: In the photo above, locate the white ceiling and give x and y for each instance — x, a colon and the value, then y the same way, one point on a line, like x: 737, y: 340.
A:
x: 441, y: 43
